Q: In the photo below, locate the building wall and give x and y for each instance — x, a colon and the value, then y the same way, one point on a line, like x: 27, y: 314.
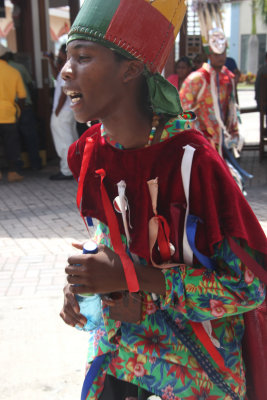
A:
x: 245, y: 32
x: 246, y: 19
x: 233, y: 42
x: 241, y: 26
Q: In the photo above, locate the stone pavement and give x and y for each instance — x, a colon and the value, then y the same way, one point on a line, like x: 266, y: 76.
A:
x: 41, y: 357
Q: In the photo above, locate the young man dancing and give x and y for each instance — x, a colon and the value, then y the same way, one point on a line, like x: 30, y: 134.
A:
x: 171, y: 225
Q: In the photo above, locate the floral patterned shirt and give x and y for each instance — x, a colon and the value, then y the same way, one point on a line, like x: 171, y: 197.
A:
x: 196, y: 95
x: 149, y: 354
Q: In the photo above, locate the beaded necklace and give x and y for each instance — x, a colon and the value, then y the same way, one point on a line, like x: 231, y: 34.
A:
x: 155, y: 124
x: 174, y: 126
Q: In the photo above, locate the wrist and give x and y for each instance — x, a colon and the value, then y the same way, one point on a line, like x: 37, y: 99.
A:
x: 150, y: 279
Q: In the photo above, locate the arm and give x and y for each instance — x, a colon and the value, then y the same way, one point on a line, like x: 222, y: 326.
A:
x: 202, y: 295
x: 21, y: 91
x: 232, y: 118
x: 190, y: 91
x: 103, y: 273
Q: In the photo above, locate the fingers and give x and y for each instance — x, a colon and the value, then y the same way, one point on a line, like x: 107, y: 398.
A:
x: 78, y: 259
x: 72, y: 319
x: 70, y: 312
x: 75, y: 270
x: 83, y: 289
x: 78, y: 246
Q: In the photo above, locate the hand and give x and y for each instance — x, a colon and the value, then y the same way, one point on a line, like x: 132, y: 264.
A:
x: 57, y: 111
x: 70, y: 312
x: 96, y: 273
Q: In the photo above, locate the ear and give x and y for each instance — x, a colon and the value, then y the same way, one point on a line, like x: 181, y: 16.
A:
x: 133, y: 69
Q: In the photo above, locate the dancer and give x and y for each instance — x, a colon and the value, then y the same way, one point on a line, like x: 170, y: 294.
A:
x: 170, y: 266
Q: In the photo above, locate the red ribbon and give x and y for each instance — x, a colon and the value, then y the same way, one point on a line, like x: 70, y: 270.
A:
x: 164, y: 238
x: 128, y: 266
x: 89, y: 145
x: 211, y: 349
x: 244, y: 256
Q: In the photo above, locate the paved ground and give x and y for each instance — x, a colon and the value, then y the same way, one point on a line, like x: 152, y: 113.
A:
x: 41, y: 357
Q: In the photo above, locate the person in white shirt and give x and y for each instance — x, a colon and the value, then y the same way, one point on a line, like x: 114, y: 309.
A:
x: 63, y: 124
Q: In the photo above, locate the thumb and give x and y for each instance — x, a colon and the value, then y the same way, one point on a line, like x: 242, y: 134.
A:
x: 78, y: 246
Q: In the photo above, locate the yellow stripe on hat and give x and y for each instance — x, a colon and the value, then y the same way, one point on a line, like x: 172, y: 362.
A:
x: 173, y: 10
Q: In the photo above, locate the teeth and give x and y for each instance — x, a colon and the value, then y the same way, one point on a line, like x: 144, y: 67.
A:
x: 71, y: 93
x: 75, y: 99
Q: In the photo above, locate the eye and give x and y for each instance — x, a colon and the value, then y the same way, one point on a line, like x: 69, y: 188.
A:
x: 83, y: 58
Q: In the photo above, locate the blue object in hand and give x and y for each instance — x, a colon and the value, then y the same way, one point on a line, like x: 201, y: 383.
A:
x: 90, y: 304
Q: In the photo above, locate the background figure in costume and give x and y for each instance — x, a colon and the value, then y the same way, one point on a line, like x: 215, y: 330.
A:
x: 63, y: 124
x: 27, y: 124
x: 183, y: 67
x: 210, y: 93
x: 12, y: 98
x: 173, y: 289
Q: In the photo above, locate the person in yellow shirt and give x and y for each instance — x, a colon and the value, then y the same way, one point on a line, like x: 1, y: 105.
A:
x: 12, y: 90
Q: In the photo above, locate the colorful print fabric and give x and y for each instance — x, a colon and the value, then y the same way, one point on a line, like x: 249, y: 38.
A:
x: 149, y: 355
x: 195, y: 94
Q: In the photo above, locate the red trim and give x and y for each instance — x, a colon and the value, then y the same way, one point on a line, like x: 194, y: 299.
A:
x: 164, y: 238
x: 128, y: 266
x: 252, y: 264
x: 211, y: 349
x: 89, y: 145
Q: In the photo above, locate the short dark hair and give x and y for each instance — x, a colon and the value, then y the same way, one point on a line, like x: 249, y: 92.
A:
x: 63, y: 48
x: 186, y: 60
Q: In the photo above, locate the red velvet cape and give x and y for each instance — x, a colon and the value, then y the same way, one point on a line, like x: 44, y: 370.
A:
x: 214, y: 196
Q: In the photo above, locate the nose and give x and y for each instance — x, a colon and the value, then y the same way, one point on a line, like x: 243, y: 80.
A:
x: 67, y: 71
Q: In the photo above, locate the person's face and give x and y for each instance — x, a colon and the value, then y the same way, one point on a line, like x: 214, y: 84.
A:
x: 183, y: 70
x: 217, y: 61
x: 92, y: 80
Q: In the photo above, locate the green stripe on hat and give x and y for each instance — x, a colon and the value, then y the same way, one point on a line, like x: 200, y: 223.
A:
x: 93, y: 19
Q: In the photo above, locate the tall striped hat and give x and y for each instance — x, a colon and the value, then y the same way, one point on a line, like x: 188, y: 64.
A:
x: 145, y: 29
x: 141, y: 29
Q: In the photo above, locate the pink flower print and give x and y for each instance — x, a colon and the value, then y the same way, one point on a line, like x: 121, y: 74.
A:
x: 150, y: 308
x: 99, y: 334
x: 136, y: 366
x: 249, y: 276
x: 217, y: 308
x: 178, y: 322
x: 167, y: 393
x: 152, y: 360
x: 118, y: 324
x: 139, y: 370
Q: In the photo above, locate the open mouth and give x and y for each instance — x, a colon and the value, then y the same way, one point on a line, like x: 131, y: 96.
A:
x: 74, y: 96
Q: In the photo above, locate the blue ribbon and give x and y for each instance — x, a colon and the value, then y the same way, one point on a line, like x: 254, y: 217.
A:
x: 191, y: 228
x: 229, y: 156
x: 89, y: 221
x: 91, y: 374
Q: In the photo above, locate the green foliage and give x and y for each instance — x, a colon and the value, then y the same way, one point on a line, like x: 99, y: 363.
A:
x: 263, y: 9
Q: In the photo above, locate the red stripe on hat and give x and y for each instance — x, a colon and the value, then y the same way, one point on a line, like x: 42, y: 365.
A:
x: 143, y: 31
